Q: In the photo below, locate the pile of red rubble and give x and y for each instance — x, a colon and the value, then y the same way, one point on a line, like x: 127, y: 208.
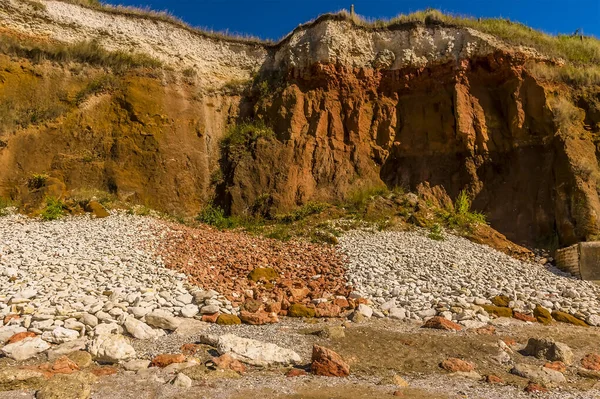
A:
x: 261, y: 275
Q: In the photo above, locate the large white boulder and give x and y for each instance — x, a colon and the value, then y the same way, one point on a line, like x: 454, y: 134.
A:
x: 138, y: 329
x: 255, y: 352
x: 60, y: 335
x: 25, y: 349
x: 162, y: 319
x: 111, y: 349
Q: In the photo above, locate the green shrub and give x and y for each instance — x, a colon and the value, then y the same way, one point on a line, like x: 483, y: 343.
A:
x: 37, y: 181
x: 435, y: 232
x: 54, y: 209
x: 215, y: 216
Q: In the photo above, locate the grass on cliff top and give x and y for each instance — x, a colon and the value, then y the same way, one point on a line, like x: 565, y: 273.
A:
x: 165, y: 16
x: 86, y: 52
x: 576, y: 49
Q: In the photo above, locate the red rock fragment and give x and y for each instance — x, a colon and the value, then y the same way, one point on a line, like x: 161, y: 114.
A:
x: 64, y: 365
x: 258, y: 318
x: 210, y: 318
x: 10, y: 317
x: 20, y: 337
x: 454, y: 365
x: 534, y: 388
x: 225, y: 362
x: 524, y: 317
x: 296, y: 373
x: 164, y: 360
x: 190, y: 349
x: 558, y: 366
x: 326, y: 362
x: 591, y: 361
x: 441, y: 323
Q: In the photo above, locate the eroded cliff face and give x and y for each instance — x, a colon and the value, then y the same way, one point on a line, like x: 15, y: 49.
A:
x: 429, y: 108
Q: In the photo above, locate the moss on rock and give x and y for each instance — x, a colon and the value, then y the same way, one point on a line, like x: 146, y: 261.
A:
x: 501, y: 300
x: 542, y: 315
x: 567, y: 318
x: 498, y: 310
x: 299, y: 310
x: 263, y: 274
x: 228, y: 320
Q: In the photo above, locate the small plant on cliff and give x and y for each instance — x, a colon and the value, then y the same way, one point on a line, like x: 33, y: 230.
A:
x: 37, y: 181
x: 435, y: 232
x: 55, y: 209
x: 462, y: 217
x: 242, y: 138
x: 214, y: 216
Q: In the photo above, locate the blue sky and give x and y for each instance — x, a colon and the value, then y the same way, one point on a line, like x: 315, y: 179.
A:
x: 275, y: 18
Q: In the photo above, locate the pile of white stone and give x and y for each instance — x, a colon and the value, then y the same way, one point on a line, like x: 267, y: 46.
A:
x: 77, y: 276
x: 408, y: 275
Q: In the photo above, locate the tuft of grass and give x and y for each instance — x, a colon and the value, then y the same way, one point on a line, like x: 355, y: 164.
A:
x: 5, y: 204
x: 309, y: 209
x: 566, y: 115
x: 96, y: 86
x: 358, y: 199
x: 574, y: 75
x: 55, y: 209
x: 86, y: 52
x: 37, y: 181
x: 462, y: 217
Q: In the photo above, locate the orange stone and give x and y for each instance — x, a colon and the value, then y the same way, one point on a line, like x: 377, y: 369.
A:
x: 210, y: 318
x: 453, y: 365
x: 327, y: 363
x: 558, y: 366
x: 441, y: 323
x: 20, y: 337
x: 164, y: 360
x: 225, y: 362
x: 10, y: 317
x: 296, y: 373
x: 64, y: 365
x: 532, y: 388
x: 524, y: 317
x: 190, y: 349
x: 591, y: 361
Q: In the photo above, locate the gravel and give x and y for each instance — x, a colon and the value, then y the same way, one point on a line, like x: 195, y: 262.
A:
x: 91, y: 270
x: 411, y: 272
